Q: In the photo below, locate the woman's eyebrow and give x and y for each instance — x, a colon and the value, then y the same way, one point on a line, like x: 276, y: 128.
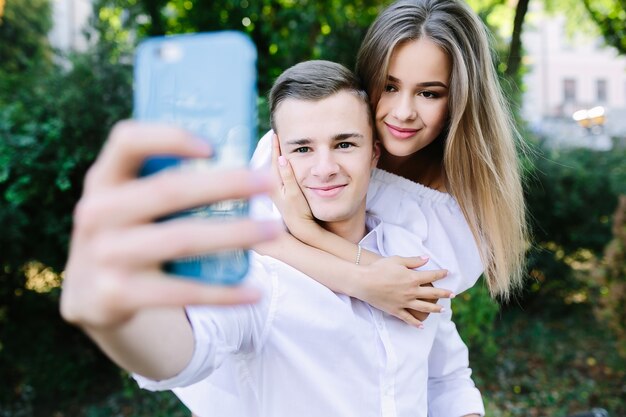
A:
x: 423, y: 84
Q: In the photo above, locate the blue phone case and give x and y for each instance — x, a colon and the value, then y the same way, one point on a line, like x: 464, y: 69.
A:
x: 205, y: 83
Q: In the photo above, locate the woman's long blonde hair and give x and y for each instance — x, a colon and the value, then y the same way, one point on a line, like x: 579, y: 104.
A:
x: 480, y: 159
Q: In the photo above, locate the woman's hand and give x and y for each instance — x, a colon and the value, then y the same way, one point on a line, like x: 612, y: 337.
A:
x: 391, y: 285
x: 289, y: 199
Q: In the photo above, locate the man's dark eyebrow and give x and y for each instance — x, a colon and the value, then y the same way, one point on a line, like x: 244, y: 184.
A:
x: 337, y: 138
x: 349, y: 135
x: 298, y: 142
x: 424, y: 84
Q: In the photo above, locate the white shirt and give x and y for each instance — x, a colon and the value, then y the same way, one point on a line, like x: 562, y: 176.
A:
x: 306, y: 351
x: 434, y: 220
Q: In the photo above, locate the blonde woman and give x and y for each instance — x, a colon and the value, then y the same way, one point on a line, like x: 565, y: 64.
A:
x: 449, y: 168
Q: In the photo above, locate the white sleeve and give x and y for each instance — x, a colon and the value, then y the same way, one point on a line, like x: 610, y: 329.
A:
x: 222, y: 331
x: 435, y: 221
x: 261, y: 206
x: 451, y: 390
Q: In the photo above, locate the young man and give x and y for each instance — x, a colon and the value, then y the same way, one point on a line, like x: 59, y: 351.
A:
x: 302, y: 350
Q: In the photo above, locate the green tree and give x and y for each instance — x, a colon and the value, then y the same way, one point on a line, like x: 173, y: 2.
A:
x: 572, y: 196
x: 24, y: 26
x: 284, y: 31
x: 23, y: 31
x: 610, y: 16
x: 53, y: 120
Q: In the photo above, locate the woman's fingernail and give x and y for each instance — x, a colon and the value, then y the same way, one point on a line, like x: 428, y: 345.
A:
x: 424, y: 258
x: 282, y: 161
x: 452, y: 295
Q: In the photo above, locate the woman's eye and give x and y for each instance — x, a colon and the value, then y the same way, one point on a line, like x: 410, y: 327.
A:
x: 429, y: 94
x: 390, y: 89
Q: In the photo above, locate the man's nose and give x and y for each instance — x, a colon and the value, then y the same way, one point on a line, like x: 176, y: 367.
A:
x: 325, y: 165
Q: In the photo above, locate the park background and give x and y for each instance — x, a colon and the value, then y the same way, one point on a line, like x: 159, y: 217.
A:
x: 558, y: 347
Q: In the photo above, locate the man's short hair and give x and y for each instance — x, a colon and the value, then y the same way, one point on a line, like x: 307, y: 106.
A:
x: 312, y: 81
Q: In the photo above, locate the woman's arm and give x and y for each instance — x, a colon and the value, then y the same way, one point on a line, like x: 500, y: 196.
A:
x: 389, y: 284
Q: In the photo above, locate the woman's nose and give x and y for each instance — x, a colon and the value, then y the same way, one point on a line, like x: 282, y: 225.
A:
x: 405, y: 109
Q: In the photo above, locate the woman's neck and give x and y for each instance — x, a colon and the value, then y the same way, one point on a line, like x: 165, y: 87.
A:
x: 423, y: 167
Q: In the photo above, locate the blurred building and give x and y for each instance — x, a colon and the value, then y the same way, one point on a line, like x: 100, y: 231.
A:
x: 572, y: 75
x: 70, y: 18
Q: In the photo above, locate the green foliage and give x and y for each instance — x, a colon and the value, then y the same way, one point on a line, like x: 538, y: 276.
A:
x: 285, y: 32
x: 551, y: 368
x: 46, y: 364
x: 569, y: 181
x: 50, y: 135
x: 475, y: 314
x: 51, y: 128
x: 23, y: 36
x: 132, y: 401
x: 610, y: 16
x: 608, y: 275
x: 571, y: 197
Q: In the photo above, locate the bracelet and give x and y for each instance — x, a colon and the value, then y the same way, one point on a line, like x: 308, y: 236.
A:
x: 358, y: 254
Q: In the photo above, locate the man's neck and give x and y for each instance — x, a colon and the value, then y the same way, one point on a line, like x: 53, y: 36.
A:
x: 352, y: 229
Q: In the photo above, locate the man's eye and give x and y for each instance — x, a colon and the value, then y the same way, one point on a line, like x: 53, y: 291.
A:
x: 302, y: 149
x: 345, y: 145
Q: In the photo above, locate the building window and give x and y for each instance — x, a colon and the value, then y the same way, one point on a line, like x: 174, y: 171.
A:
x: 601, y: 91
x: 569, y: 90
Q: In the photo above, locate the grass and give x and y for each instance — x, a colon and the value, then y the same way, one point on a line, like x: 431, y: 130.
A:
x: 551, y: 363
x: 551, y: 368
x: 542, y: 368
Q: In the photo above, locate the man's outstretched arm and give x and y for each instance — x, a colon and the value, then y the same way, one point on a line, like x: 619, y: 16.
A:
x: 114, y: 288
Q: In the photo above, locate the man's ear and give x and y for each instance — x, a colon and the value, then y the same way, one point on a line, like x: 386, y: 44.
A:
x: 376, y: 153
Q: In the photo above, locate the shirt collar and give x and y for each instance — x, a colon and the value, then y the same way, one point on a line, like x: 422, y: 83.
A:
x: 374, y: 227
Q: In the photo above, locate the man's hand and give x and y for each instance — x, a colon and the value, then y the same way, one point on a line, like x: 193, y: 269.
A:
x: 114, y: 266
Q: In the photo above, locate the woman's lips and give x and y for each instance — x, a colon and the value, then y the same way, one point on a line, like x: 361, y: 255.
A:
x: 327, y: 191
x: 400, y: 133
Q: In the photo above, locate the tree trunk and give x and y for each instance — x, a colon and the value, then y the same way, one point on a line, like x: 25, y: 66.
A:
x: 153, y: 8
x: 515, y: 51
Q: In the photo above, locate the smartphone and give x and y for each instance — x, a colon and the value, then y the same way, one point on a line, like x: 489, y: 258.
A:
x: 205, y: 83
